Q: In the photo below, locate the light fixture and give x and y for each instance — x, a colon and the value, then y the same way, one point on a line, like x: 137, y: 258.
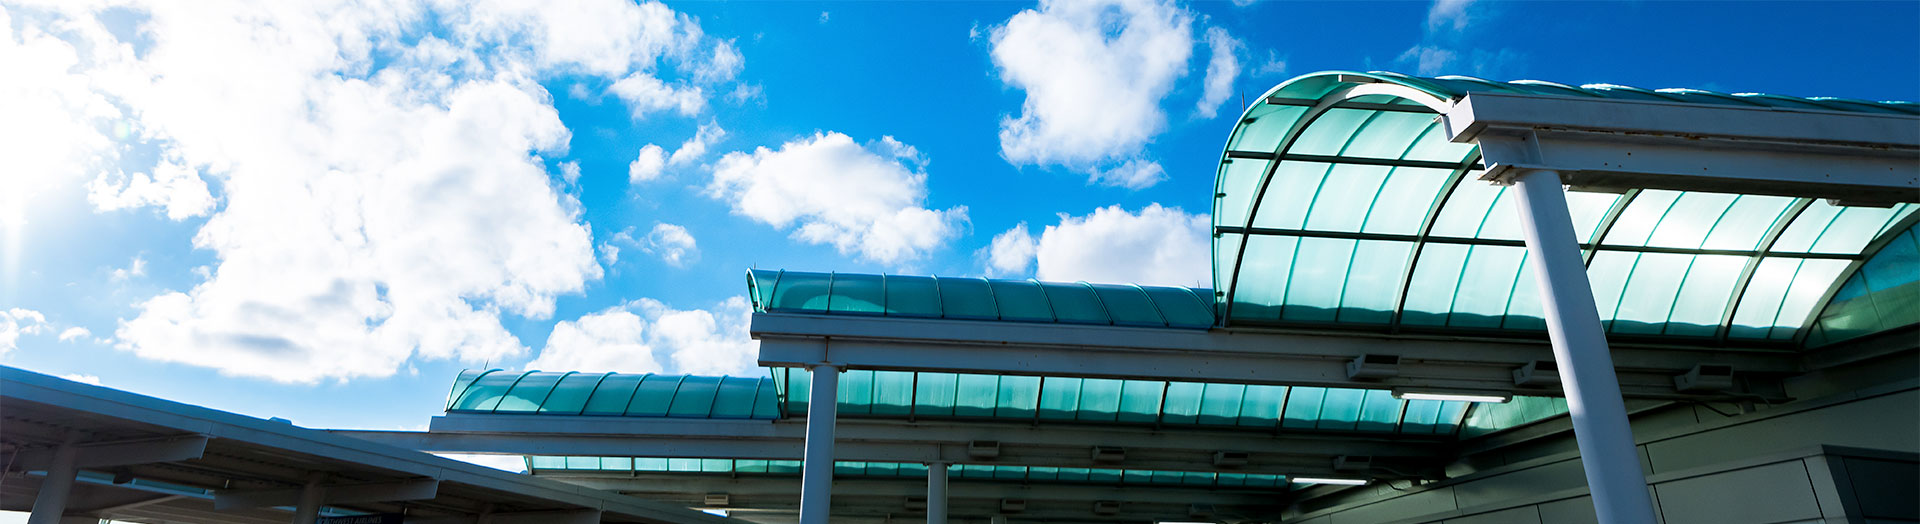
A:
x: 1497, y: 397
x: 715, y: 512
x: 1333, y: 481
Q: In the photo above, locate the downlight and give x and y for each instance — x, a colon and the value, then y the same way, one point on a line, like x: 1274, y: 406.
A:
x: 1462, y: 396
x: 1331, y: 481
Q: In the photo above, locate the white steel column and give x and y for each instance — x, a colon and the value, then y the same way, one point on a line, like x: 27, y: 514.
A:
x: 1599, y: 415
x: 816, y: 475
x: 937, y: 493
x: 311, y: 497
x: 51, y: 502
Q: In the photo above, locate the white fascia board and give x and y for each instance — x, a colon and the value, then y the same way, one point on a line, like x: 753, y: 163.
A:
x: 1478, y: 112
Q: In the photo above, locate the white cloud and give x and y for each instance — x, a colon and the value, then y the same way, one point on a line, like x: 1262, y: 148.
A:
x: 1222, y: 69
x: 1157, y: 246
x: 743, y: 93
x: 652, y: 160
x: 1275, y: 65
x: 74, y: 333
x: 1243, y: 3
x: 1448, y: 14
x: 1427, y: 60
x: 695, y: 148
x: 15, y: 322
x: 823, y: 17
x: 136, y: 267
x: 1134, y: 174
x: 510, y: 463
x: 1011, y: 252
x: 638, y: 337
x: 673, y: 244
x: 383, y: 193
x: 1446, y: 46
x: 1094, y: 75
x: 84, y: 379
x: 862, y: 200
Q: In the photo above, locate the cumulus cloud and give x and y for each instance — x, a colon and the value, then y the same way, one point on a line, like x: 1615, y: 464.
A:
x: 136, y: 267
x: 1156, y: 246
x: 863, y: 200
x: 1094, y: 74
x: 1448, y: 15
x: 1222, y: 69
x: 74, y: 333
x: 383, y: 189
x: 652, y: 160
x: 1275, y: 65
x: 646, y: 336
x: 15, y: 322
x: 1447, y: 46
x: 673, y: 244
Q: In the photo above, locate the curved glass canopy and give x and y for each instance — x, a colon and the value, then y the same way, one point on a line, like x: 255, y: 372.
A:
x: 979, y: 299
x: 1340, y: 202
x: 614, y: 394
x: 845, y: 469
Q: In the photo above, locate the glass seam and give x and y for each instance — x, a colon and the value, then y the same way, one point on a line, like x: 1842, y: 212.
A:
x: 549, y: 396
x: 1103, y: 307
x: 1826, y: 298
x: 1300, y: 125
x: 939, y: 299
x: 504, y: 392
x: 1044, y: 297
x: 455, y: 399
x: 1625, y: 284
x: 715, y: 401
x: 1781, y: 222
x: 1605, y: 227
x: 993, y: 298
x: 829, y: 308
x: 1677, y: 291
x: 1153, y: 304
x: 682, y: 382
x: 628, y: 406
x: 591, y: 391
x: 1419, y: 243
x: 1514, y: 288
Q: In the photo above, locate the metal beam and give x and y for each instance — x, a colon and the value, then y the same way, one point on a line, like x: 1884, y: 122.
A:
x: 1611, y: 144
x: 756, y: 491
x: 119, y: 453
x: 1220, y: 356
x: 418, y: 489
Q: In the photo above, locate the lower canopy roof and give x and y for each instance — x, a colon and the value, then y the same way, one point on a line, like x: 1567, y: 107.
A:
x: 1338, y: 205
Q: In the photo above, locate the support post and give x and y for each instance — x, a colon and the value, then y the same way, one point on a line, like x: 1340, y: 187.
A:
x: 937, y: 493
x: 51, y: 503
x: 1599, y: 415
x: 311, y: 497
x: 816, y: 476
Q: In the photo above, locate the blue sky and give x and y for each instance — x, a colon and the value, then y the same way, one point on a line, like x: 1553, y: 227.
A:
x: 327, y: 221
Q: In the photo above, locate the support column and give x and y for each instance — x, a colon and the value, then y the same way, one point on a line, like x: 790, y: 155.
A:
x: 937, y: 493
x: 51, y: 503
x: 311, y: 497
x: 816, y: 476
x: 1599, y: 414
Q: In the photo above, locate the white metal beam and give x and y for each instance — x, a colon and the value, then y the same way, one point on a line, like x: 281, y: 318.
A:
x: 419, y: 489
x: 125, y: 453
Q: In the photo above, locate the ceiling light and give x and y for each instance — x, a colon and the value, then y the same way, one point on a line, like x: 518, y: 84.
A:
x: 1462, y: 396
x: 1338, y: 482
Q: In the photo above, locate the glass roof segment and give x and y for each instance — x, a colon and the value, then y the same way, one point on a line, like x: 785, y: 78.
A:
x: 845, y: 469
x: 614, y: 394
x: 1883, y: 294
x: 979, y: 299
x: 1336, y: 210
x: 965, y: 396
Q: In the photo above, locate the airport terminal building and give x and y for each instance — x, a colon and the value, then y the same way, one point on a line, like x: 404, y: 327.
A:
x: 1435, y: 300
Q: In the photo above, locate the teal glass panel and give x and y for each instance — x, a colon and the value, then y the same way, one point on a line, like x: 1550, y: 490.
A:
x: 976, y: 395
x: 1073, y: 474
x: 1289, y: 194
x: 934, y: 395
x: 612, y: 396
x: 1220, y: 404
x: 909, y: 296
x: 760, y: 286
x: 1434, y: 147
x: 1809, y: 284
x: 538, y: 462
x: 460, y: 384
x: 526, y: 395
x: 650, y: 464
x: 1017, y: 397
x: 1760, y: 304
x: 1636, y: 224
x: 1379, y: 411
x: 570, y: 396
x: 1303, y: 407
x: 1331, y: 133
x: 1704, y: 295
x: 1746, y: 222
x: 967, y: 298
x: 1074, y: 303
x: 654, y: 396
x: 1421, y: 417
x: 1485, y: 284
x: 1608, y: 273
x: 1128, y: 305
x: 1264, y: 125
x: 1021, y: 300
x: 1345, y: 196
x: 1693, y: 216
x: 1340, y: 408
x: 1648, y: 297
x: 1319, y: 274
x: 1226, y: 257
x: 734, y: 397
x: 695, y: 398
x: 1103, y: 476
x: 1140, y: 401
x: 766, y: 400
x: 1884, y: 294
x: 1451, y: 413
x: 1182, y: 307
x: 1806, y: 228
x: 799, y: 382
x: 892, y: 392
x: 1524, y: 311
x: 799, y: 291
x: 1240, y: 177
x: 486, y: 392
x: 1263, y: 278
x: 586, y: 463
x: 1260, y: 407
x: 856, y: 392
x: 1466, y: 209
x: 1390, y: 135
x: 1499, y: 223
x: 1404, y: 200
x: 1430, y: 294
x: 1587, y: 210
x: 1852, y: 230
x: 749, y: 466
x: 1099, y: 400
x: 616, y: 463
x: 1182, y: 402
x: 857, y: 293
x: 1059, y: 398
